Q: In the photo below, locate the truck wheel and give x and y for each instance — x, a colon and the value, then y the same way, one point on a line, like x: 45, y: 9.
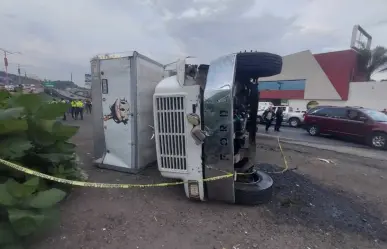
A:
x: 258, y: 64
x: 378, y: 140
x: 294, y: 122
x: 258, y: 191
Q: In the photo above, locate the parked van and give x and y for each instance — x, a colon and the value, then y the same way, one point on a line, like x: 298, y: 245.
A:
x: 367, y: 125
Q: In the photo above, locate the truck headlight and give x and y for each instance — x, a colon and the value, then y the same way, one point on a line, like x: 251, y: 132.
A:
x: 193, y: 119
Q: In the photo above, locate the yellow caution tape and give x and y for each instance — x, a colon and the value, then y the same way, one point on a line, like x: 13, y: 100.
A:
x: 286, y: 168
x: 283, y: 157
x: 116, y: 185
x: 102, y: 185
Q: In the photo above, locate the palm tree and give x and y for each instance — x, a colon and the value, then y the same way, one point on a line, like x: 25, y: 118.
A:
x: 372, y: 61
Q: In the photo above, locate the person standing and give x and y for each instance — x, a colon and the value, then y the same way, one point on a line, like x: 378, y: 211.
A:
x: 68, y: 102
x: 64, y: 114
x: 80, y: 107
x: 73, y: 108
x: 88, y: 106
x: 279, y: 117
x: 77, y: 106
x: 268, y: 117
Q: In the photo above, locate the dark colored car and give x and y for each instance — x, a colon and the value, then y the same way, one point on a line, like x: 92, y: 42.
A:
x: 366, y: 125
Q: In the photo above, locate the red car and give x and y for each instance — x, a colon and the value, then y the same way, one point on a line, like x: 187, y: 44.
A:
x: 363, y: 124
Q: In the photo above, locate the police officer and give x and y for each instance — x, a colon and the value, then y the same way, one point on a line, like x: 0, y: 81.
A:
x: 80, y: 107
x: 73, y: 109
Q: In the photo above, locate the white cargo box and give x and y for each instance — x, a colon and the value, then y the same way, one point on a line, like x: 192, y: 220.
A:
x: 122, y: 93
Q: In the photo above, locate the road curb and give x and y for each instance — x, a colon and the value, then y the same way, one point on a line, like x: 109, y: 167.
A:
x: 361, y: 152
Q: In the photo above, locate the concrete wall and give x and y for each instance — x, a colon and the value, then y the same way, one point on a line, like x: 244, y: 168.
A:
x: 372, y: 94
x: 303, y: 65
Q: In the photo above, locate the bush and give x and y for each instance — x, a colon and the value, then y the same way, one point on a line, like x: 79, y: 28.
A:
x: 31, y: 135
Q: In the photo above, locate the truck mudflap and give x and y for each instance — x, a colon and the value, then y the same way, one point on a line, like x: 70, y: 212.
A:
x: 218, y: 147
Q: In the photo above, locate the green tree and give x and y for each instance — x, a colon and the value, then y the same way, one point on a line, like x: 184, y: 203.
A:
x: 373, y: 61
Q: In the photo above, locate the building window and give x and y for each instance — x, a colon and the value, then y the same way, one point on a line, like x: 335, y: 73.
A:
x: 282, y: 85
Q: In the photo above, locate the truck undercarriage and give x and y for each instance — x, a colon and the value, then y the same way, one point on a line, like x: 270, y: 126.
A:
x: 219, y: 103
x: 251, y: 186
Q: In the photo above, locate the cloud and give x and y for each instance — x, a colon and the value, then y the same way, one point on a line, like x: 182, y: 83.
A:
x: 59, y: 37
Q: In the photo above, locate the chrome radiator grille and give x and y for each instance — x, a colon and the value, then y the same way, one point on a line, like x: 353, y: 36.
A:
x: 170, y: 133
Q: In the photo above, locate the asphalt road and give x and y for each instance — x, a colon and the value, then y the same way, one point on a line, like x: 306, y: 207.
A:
x: 299, y: 134
x: 315, y: 205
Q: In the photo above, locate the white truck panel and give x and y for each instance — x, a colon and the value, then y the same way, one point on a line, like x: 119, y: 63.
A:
x: 149, y: 75
x: 178, y: 156
x: 122, y: 90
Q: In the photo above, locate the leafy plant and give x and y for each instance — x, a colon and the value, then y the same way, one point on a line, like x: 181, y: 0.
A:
x: 31, y: 135
x: 27, y: 209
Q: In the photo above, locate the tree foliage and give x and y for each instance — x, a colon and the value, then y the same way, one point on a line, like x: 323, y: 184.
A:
x: 372, y: 61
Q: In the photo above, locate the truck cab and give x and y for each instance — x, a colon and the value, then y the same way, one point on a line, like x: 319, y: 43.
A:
x: 205, y: 127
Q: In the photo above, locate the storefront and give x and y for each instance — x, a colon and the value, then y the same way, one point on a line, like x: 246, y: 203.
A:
x: 321, y: 79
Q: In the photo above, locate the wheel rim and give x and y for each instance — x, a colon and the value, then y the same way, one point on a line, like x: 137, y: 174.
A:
x: 252, y: 178
x: 293, y: 123
x: 378, y: 141
x: 313, y: 130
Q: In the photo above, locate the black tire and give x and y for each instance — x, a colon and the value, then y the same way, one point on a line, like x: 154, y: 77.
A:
x: 314, y: 130
x: 378, y: 140
x: 258, y: 64
x: 294, y: 122
x: 254, y: 193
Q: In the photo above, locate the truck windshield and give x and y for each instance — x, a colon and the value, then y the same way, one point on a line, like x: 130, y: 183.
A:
x: 376, y: 115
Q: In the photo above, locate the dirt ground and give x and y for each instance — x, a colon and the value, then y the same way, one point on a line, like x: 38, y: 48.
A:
x: 342, y: 204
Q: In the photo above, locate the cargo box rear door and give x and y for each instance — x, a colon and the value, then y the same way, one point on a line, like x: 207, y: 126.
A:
x: 117, y: 112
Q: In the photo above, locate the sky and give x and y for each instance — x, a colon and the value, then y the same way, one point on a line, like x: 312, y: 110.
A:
x: 57, y: 38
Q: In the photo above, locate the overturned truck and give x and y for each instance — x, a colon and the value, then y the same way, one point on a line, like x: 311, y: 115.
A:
x: 205, y: 126
x: 204, y: 119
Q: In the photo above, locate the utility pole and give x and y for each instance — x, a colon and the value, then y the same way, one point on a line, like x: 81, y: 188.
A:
x: 71, y: 77
x: 18, y: 72
x: 6, y: 62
